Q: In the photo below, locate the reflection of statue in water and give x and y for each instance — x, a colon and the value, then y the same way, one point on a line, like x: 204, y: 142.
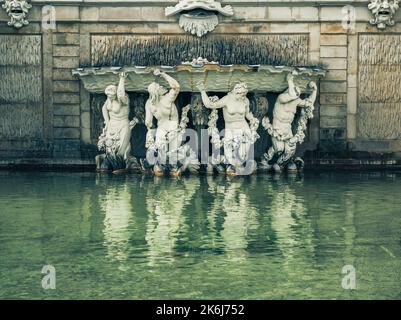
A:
x: 167, y: 215
x: 292, y: 226
x: 231, y: 203
x: 116, y: 135
x: 116, y: 205
x: 238, y: 134
x: 161, y: 105
x: 283, y: 139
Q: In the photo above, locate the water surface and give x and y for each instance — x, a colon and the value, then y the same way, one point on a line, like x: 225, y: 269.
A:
x: 258, y: 237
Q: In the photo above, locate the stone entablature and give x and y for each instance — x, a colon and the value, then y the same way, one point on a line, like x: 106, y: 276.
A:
x: 250, y: 11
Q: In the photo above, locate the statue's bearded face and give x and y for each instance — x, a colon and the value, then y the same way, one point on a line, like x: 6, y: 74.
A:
x: 383, y: 11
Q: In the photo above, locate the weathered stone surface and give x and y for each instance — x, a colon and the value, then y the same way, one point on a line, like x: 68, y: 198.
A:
x: 66, y: 121
x: 21, y: 105
x: 67, y: 148
x: 66, y: 38
x: 63, y: 74
x: 378, y: 121
x: 66, y: 62
x: 333, y: 52
x: 120, y: 13
x: 334, y: 63
x: 333, y: 86
x: 250, y: 13
x: 379, y: 95
x: 66, y: 86
x: 336, y: 75
x: 352, y: 100
x: 68, y: 27
x: 67, y: 13
x: 331, y: 122
x: 333, y: 98
x: 351, y: 126
x: 132, y: 50
x: 332, y: 134
x: 66, y: 51
x: 307, y: 13
x: 333, y: 40
x: 333, y: 28
x: 66, y: 109
x: 66, y: 98
x: 66, y: 133
x: 333, y: 111
x: 154, y: 14
x: 90, y: 13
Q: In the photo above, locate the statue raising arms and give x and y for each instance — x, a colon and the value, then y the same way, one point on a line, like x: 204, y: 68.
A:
x: 161, y: 105
x: 283, y: 139
x: 115, y: 139
x: 238, y: 136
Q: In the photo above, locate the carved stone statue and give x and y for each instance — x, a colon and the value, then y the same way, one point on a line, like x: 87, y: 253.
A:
x: 166, y: 145
x: 199, y: 17
x: 238, y: 134
x: 17, y: 10
x: 283, y: 139
x: 383, y: 12
x: 115, y: 139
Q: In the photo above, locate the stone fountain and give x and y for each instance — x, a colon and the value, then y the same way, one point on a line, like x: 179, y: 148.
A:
x: 167, y: 151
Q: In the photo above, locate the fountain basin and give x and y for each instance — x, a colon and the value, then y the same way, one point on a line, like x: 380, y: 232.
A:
x: 217, y: 78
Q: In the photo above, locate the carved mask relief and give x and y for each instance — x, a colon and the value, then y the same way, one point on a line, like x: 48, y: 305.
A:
x: 199, y: 17
x: 383, y: 12
x: 17, y: 10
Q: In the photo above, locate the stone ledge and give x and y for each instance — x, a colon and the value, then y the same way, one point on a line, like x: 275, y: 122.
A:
x: 311, y: 164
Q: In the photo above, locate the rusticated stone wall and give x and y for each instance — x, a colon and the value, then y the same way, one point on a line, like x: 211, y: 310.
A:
x: 379, y: 108
x: 21, y: 106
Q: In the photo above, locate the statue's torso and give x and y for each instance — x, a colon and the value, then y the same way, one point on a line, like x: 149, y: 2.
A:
x: 166, y: 114
x: 118, y: 111
x: 234, y: 113
x: 285, y: 112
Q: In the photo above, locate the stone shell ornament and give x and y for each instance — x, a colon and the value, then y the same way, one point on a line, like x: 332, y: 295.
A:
x: 17, y: 10
x: 199, y: 17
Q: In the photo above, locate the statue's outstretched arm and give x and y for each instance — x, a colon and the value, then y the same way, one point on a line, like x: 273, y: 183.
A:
x: 121, y: 94
x: 174, y: 85
x: 210, y: 104
x: 312, y: 98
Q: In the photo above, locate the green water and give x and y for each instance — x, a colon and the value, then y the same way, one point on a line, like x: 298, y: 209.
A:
x: 259, y: 237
